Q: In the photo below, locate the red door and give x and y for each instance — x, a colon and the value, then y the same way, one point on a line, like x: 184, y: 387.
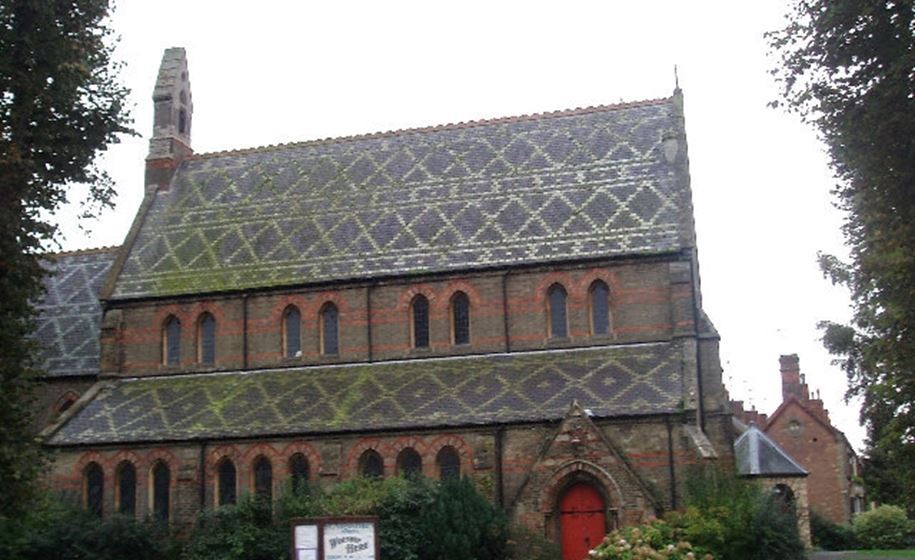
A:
x: 581, y: 521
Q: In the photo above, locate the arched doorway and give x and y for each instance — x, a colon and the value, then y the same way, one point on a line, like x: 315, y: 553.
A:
x: 582, y: 520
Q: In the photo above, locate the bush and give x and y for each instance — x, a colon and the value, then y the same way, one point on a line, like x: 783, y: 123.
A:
x: 736, y: 519
x: 245, y: 531
x: 56, y: 530
x: 884, y: 528
x: 525, y: 544
x: 830, y: 536
x: 655, y: 540
x: 462, y: 525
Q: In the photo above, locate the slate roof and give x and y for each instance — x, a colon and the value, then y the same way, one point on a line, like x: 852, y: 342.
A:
x: 758, y: 455
x: 569, y: 185
x: 69, y: 315
x: 517, y: 387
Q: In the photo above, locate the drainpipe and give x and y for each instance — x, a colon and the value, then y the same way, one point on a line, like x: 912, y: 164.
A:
x: 500, y: 496
x: 244, y: 329
x: 505, y: 310
x: 201, y: 468
x: 368, y: 317
x: 670, y: 463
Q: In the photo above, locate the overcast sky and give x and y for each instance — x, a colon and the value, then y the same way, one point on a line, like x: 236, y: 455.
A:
x: 271, y: 72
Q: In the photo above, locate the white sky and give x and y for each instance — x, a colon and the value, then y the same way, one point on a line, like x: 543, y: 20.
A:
x: 272, y: 72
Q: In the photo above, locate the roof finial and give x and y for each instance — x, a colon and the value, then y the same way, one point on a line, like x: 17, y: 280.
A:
x: 676, y: 79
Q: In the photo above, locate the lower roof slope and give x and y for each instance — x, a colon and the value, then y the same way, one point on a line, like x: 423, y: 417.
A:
x: 473, y: 390
x: 69, y: 314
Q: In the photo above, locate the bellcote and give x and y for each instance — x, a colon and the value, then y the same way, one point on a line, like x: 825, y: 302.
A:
x: 172, y: 119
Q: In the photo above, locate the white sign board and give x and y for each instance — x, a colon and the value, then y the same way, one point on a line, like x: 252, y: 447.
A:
x: 306, y: 542
x: 335, y: 538
x: 349, y: 541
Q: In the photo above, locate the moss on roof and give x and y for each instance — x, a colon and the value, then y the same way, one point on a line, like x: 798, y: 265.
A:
x: 610, y: 381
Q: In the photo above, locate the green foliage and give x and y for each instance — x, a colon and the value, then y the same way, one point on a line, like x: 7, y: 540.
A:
x: 462, y: 525
x: 830, y: 536
x: 884, y: 527
x: 846, y: 68
x: 525, y: 544
x: 60, y: 106
x: 655, y: 540
x: 241, y: 532
x: 55, y: 530
x: 737, y: 519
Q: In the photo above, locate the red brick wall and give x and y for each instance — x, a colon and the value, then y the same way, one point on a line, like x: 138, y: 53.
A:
x: 817, y: 449
x: 644, y: 446
x: 647, y: 302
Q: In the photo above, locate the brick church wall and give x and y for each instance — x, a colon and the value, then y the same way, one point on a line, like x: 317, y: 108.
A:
x: 644, y: 305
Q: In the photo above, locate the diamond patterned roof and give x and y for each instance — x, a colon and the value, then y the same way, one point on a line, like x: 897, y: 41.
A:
x: 610, y: 381
x: 578, y: 184
x: 70, y: 313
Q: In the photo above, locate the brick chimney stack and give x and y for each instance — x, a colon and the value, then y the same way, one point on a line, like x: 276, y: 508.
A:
x: 173, y: 109
x: 792, y: 383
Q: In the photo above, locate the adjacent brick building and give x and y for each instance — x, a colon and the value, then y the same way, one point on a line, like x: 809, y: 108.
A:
x: 515, y: 300
x: 801, y: 426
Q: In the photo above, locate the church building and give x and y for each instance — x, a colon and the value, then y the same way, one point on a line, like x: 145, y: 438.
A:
x: 514, y: 300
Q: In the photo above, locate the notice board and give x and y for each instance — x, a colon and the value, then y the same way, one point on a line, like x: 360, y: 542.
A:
x: 335, y: 538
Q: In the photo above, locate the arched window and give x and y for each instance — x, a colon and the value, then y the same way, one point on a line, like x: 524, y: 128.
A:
x: 127, y: 489
x: 557, y: 310
x: 292, y: 332
x: 226, y: 493
x: 460, y: 318
x: 263, y: 479
x: 600, y: 308
x: 206, y: 339
x: 449, y: 462
x: 330, y: 340
x: 182, y: 121
x: 298, y: 469
x: 161, y: 491
x: 409, y: 463
x: 95, y: 488
x: 171, y: 341
x: 371, y: 465
x: 419, y: 326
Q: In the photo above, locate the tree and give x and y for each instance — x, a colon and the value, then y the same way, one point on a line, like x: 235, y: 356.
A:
x: 60, y: 106
x: 846, y: 67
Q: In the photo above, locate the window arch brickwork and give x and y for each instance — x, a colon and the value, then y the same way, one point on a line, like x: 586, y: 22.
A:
x: 171, y: 341
x: 329, y: 325
x: 206, y: 339
x: 420, y: 321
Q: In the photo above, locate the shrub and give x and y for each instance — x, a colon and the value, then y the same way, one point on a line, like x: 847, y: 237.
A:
x: 830, y: 536
x: 736, y: 519
x: 884, y: 527
x: 57, y: 530
x: 462, y: 525
x: 245, y: 531
x: 655, y: 540
x: 525, y: 544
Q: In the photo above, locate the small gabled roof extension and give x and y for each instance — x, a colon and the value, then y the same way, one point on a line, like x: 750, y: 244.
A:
x: 757, y: 455
x: 69, y: 314
x: 598, y: 182
x: 430, y: 393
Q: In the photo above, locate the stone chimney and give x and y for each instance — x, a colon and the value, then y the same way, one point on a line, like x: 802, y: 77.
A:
x: 173, y: 111
x: 792, y: 383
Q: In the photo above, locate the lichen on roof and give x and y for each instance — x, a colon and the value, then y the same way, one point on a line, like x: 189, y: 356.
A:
x: 517, y: 387
x: 69, y: 313
x: 584, y: 184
